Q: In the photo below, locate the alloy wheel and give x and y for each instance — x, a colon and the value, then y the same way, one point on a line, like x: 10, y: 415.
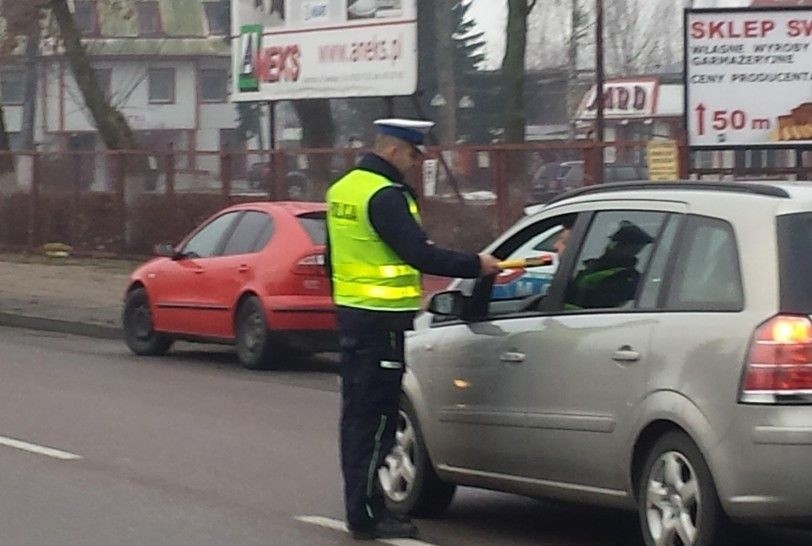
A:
x: 141, y: 322
x: 673, y: 501
x: 399, y: 472
x: 254, y: 333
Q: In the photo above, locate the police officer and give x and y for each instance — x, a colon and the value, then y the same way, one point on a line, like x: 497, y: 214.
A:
x: 377, y: 251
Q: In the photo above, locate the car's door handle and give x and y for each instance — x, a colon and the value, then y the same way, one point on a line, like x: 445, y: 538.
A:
x: 199, y: 271
x: 626, y: 354
x: 243, y: 268
x: 512, y: 357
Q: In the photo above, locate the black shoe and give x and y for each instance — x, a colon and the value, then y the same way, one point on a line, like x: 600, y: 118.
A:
x: 385, y: 528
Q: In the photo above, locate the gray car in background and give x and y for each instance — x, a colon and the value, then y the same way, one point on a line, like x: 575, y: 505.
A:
x: 664, y: 365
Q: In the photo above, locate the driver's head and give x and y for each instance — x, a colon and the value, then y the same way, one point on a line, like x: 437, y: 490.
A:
x: 629, y: 239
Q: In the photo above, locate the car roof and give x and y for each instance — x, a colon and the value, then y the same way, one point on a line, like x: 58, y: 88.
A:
x: 295, y: 208
x: 794, y: 196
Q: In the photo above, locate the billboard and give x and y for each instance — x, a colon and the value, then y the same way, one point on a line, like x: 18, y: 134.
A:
x: 748, y: 77
x: 305, y: 49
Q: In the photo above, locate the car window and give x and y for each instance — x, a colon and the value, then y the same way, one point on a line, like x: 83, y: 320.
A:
x: 613, y: 259
x: 206, y: 242
x: 575, y: 173
x: 251, y: 234
x: 314, y: 224
x: 654, y: 280
x: 706, y: 272
x: 622, y: 172
x: 794, y: 250
x: 520, y: 285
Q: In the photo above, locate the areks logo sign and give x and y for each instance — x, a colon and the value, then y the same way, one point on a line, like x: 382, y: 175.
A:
x: 269, y: 64
x: 323, y: 49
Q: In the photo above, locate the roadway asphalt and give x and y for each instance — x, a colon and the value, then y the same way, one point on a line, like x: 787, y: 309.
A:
x: 80, y: 296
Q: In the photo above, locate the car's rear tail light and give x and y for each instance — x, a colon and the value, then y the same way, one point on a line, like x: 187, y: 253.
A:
x: 311, y: 265
x: 779, y: 363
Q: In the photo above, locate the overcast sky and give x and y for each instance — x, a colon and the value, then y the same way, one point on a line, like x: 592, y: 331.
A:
x: 491, y: 16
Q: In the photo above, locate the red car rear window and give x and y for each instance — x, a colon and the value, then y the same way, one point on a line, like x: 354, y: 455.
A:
x: 314, y: 223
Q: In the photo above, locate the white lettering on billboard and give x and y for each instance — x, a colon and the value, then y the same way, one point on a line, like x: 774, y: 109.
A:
x: 323, y: 49
x: 749, y: 77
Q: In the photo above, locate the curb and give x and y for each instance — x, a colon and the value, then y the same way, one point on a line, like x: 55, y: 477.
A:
x: 86, y: 329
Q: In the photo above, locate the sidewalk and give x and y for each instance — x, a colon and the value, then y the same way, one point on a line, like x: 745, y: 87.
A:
x: 75, y: 296
x: 72, y: 296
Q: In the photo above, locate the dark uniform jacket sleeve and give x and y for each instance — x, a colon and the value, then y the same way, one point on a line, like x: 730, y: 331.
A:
x: 390, y: 216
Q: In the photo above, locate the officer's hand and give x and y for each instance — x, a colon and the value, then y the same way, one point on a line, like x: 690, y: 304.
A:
x: 488, y: 265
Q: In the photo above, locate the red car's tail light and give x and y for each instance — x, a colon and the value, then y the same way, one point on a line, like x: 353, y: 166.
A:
x: 779, y: 363
x: 311, y: 265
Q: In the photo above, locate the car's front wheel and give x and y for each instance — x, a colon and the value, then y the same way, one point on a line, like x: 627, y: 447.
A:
x: 139, y: 332
x: 408, y: 478
x: 254, y: 344
x: 677, y: 499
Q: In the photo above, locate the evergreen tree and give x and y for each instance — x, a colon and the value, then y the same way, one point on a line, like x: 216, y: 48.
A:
x: 474, y: 99
x: 469, y: 45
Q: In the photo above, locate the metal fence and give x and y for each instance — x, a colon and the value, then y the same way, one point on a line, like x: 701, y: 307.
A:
x: 125, y: 202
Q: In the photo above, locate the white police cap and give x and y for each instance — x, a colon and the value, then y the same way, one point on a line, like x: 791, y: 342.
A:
x: 412, y: 131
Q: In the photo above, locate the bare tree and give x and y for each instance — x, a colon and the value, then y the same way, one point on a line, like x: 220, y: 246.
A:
x: 546, y: 36
x: 318, y: 131
x: 6, y: 163
x: 513, y: 66
x: 30, y: 89
x: 641, y: 36
x: 112, y: 125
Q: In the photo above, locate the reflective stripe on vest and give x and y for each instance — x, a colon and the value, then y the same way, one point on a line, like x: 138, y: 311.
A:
x: 367, y: 274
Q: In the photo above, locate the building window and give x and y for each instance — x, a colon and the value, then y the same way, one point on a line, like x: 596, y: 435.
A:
x: 217, y: 15
x: 86, y: 17
x: 149, y: 19
x: 104, y: 79
x: 161, y: 85
x: 213, y: 85
x: 12, y: 87
x: 15, y: 141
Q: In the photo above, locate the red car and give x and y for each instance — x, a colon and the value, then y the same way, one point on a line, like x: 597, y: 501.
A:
x: 252, y: 275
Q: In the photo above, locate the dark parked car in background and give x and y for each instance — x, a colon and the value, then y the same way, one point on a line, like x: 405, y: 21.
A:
x: 302, y: 185
x: 553, y: 178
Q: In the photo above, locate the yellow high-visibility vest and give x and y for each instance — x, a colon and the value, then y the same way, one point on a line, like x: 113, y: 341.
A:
x: 367, y: 274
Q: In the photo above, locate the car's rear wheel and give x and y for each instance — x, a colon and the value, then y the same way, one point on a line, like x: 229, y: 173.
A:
x: 254, y: 344
x: 139, y: 331
x: 408, y: 479
x: 677, y: 499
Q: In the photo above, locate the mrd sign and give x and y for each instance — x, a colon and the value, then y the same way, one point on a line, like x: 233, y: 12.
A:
x: 323, y: 48
x: 749, y: 77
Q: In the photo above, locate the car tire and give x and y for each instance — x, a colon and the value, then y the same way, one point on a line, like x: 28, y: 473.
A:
x: 677, y: 500
x: 139, y: 333
x: 410, y: 484
x: 254, y: 345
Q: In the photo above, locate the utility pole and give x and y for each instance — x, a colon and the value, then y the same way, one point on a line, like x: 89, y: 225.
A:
x: 446, y: 83
x: 599, y: 84
x: 572, y: 62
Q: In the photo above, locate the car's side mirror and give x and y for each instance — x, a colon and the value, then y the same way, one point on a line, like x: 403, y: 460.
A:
x: 167, y: 250
x: 448, y: 304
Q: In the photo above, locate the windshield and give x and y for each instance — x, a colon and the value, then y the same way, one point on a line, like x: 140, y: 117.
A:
x: 315, y: 226
x: 794, y: 250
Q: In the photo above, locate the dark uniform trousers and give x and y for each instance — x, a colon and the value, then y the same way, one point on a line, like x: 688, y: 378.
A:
x: 372, y: 366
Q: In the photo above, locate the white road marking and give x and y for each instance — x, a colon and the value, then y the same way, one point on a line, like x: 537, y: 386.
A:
x: 39, y: 450
x: 336, y: 525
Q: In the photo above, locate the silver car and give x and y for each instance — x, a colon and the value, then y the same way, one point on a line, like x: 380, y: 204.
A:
x: 665, y: 365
